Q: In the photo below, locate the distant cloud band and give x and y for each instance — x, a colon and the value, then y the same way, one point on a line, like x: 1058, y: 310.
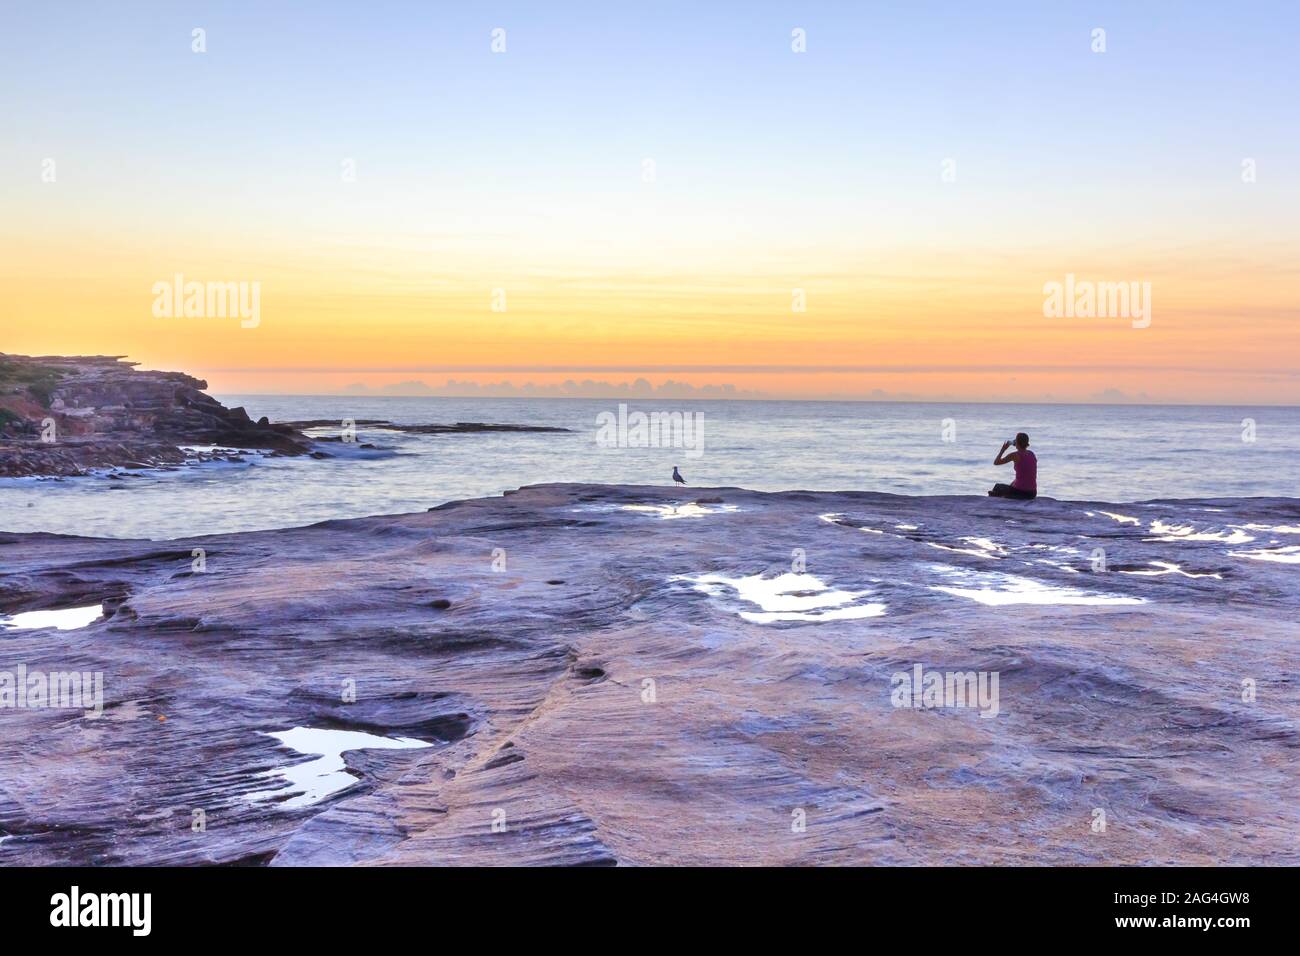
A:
x: 746, y: 369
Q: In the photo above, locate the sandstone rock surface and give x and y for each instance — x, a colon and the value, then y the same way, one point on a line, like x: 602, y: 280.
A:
x: 635, y: 675
x: 64, y: 415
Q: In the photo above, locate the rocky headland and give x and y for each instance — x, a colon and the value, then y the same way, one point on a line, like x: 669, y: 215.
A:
x: 67, y: 415
x: 64, y: 416
x: 578, y: 674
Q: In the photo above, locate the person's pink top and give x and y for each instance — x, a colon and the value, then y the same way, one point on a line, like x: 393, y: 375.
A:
x: 1026, y: 472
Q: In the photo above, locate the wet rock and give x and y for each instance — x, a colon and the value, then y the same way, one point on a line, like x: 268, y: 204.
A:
x: 688, y: 697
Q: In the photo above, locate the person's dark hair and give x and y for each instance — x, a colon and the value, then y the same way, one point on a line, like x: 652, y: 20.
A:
x: 1022, y: 440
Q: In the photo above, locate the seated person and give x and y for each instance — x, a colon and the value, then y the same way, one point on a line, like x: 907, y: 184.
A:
x: 1025, y: 484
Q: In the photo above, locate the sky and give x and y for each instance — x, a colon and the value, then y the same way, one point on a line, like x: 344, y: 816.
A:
x: 664, y: 192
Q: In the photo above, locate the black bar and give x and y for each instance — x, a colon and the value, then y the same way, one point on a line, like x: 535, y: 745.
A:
x: 293, y: 906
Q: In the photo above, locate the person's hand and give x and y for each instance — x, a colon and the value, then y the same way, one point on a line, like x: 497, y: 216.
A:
x: 1006, y: 445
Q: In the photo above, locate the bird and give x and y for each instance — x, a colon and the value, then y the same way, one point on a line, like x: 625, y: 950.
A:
x: 677, y: 476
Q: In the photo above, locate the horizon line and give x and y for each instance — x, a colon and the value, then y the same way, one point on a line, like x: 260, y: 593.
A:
x: 736, y: 369
x: 738, y: 398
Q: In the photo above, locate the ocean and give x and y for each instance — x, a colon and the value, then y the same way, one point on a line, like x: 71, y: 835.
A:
x: 1114, y: 453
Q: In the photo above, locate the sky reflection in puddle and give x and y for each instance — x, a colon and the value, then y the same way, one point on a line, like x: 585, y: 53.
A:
x: 998, y: 590
x: 1169, y: 532
x: 314, y: 780
x: 691, y: 509
x: 63, y: 619
x: 786, y: 597
x: 1168, y: 567
x: 1286, y: 555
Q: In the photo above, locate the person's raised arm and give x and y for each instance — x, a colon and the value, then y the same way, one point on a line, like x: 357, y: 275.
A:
x: 1003, y: 458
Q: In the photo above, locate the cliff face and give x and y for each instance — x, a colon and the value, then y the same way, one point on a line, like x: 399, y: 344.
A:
x: 60, y: 415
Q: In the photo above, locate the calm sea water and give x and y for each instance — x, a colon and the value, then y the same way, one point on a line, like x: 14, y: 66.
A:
x: 1108, y: 453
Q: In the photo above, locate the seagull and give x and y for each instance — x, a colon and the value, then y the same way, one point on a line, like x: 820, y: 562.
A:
x: 677, y: 476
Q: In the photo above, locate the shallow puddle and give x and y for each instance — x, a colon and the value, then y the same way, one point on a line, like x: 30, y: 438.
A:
x: 999, y: 590
x: 1122, y: 519
x: 314, y: 780
x: 1275, y: 528
x: 984, y: 548
x: 1168, y: 532
x: 1169, y: 567
x: 786, y: 597
x: 63, y: 619
x: 688, y: 510
x: 1287, y: 555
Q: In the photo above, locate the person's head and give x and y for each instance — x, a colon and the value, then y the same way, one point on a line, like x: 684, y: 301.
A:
x: 1022, y: 440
